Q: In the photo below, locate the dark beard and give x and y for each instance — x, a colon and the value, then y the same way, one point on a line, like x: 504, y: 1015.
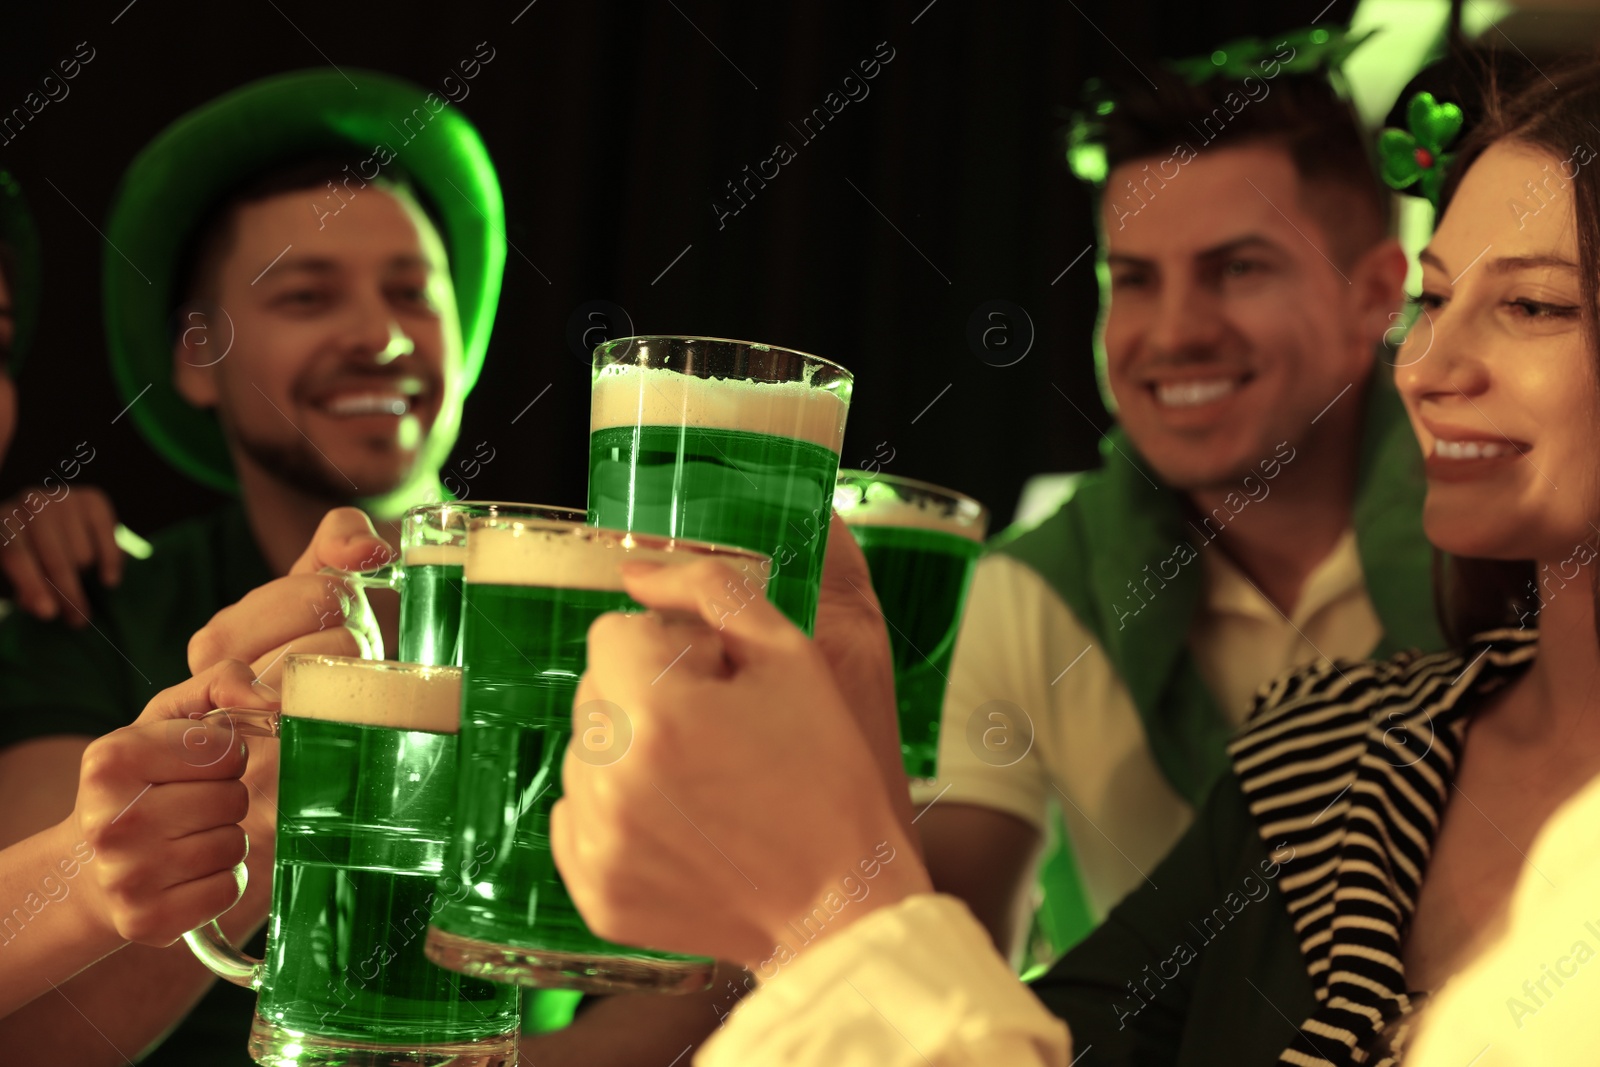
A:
x: 299, y: 465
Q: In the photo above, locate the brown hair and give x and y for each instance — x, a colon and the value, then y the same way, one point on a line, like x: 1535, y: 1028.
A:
x: 1551, y: 113
x: 1299, y: 113
x: 211, y: 239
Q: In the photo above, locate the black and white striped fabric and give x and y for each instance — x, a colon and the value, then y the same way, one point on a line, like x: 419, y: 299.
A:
x: 1347, y: 768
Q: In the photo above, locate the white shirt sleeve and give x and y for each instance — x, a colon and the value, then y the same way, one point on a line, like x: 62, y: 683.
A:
x: 917, y: 984
x: 998, y: 701
x: 1036, y: 715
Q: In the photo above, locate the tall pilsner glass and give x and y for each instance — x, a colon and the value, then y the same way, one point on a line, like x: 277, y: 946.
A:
x: 921, y: 543
x: 345, y: 981
x: 502, y: 911
x: 723, y: 441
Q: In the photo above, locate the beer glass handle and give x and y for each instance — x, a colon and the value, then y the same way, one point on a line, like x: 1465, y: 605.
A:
x: 208, y: 943
x: 389, y: 576
x: 212, y: 948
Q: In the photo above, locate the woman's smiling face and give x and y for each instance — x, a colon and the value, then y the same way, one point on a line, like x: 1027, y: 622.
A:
x: 1497, y: 375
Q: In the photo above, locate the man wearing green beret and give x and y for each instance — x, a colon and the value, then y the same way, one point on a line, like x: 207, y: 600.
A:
x: 298, y: 297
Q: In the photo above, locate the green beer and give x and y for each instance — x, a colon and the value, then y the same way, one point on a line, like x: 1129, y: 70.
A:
x: 433, y: 546
x: 345, y: 979
x: 532, y: 590
x: 721, y: 441
x: 433, y: 549
x: 921, y: 544
x: 430, y: 605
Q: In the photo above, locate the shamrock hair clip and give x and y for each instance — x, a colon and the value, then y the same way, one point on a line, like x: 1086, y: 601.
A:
x: 1416, y: 155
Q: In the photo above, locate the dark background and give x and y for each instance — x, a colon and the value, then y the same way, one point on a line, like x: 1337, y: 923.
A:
x: 614, y: 127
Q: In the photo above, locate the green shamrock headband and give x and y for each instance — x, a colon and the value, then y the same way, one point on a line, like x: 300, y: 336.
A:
x: 1312, y: 50
x: 1416, y: 155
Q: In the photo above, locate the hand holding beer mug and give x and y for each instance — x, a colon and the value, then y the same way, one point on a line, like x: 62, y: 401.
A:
x: 304, y: 611
x: 344, y: 980
x: 151, y: 847
x: 533, y: 588
x: 158, y: 808
x: 749, y: 818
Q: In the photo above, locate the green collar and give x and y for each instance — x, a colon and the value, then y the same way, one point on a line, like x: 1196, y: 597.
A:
x: 1121, y: 555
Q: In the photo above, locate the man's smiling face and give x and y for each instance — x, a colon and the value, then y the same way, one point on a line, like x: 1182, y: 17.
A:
x: 1226, y: 327
x: 342, y: 373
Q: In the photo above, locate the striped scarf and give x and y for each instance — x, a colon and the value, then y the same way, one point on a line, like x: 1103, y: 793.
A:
x: 1347, y: 769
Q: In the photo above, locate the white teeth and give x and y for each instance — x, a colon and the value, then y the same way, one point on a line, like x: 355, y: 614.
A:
x: 1472, y: 449
x: 368, y: 404
x: 1189, y: 394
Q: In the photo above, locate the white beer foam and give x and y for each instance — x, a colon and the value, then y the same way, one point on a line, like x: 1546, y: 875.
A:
x: 374, y: 693
x: 436, y: 555
x: 560, y: 558
x: 630, y: 395
x: 893, y: 511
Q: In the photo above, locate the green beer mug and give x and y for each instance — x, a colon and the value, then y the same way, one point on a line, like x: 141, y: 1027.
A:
x: 433, y: 545
x: 723, y: 441
x: 345, y: 981
x: 922, y: 544
x: 533, y: 588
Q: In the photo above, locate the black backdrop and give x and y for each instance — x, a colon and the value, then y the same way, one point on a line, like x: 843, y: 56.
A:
x: 615, y: 127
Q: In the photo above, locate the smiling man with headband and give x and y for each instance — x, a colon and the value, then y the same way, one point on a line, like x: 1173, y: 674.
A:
x: 1259, y: 502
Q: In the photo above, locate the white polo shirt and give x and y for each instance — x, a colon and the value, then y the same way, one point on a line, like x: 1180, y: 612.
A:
x: 1021, y: 644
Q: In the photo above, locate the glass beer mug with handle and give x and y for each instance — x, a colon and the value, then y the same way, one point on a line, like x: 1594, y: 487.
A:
x: 730, y: 442
x: 345, y: 980
x: 922, y: 544
x: 433, y: 547
x: 502, y: 911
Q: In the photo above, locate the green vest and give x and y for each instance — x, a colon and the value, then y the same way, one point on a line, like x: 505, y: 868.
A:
x: 1120, y: 553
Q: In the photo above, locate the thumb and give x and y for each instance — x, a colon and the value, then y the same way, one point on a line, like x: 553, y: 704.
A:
x: 844, y: 568
x: 346, y: 540
x: 228, y: 683
x: 198, y: 745
x: 730, y: 597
